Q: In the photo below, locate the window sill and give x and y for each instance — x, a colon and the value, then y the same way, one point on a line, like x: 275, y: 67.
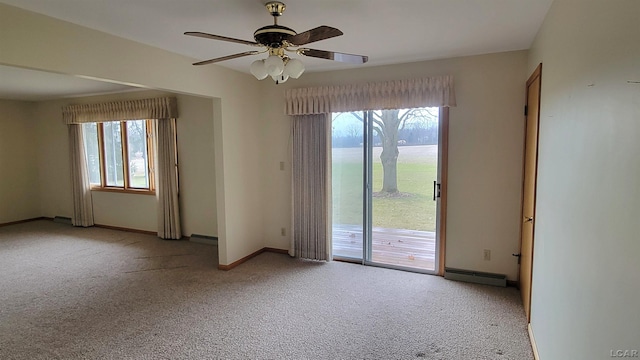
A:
x: 124, y: 191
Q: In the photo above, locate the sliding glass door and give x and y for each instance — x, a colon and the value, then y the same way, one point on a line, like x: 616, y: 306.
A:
x: 386, y: 187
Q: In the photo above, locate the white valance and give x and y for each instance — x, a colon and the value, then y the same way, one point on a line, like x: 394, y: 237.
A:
x: 156, y: 108
x: 398, y: 94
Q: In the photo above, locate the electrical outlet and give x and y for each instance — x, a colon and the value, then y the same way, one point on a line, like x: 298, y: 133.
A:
x: 281, y: 165
x: 283, y: 231
x: 487, y: 255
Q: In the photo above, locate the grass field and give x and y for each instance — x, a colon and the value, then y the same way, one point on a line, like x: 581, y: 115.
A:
x: 413, y: 210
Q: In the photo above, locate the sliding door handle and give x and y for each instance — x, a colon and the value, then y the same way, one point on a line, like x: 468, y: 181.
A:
x: 434, y: 190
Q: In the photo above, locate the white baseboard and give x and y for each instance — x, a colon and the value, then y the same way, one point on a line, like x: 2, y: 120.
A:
x: 534, y: 347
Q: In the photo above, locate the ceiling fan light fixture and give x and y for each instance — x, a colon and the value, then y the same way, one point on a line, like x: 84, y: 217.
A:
x: 276, y: 40
x: 274, y: 65
x: 259, y: 70
x: 294, y: 68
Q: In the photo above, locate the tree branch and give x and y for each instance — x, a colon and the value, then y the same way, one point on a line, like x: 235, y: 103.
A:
x: 355, y: 115
x: 429, y: 111
x: 406, y: 116
x: 380, y: 134
x: 379, y: 123
x: 375, y: 121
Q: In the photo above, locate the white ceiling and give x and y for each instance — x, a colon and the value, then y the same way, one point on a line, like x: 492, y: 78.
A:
x: 388, y: 32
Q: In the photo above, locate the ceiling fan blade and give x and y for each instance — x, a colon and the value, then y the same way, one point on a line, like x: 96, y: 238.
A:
x: 228, y: 57
x: 313, y: 35
x: 336, y: 56
x: 218, y: 37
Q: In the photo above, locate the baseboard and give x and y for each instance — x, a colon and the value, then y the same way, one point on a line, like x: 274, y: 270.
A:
x: 250, y: 256
x: 126, y: 229
x: 277, y: 251
x: 534, y: 347
x: 238, y: 262
x: 25, y: 221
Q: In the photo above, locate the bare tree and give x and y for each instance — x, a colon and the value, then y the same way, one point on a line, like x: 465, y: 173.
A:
x: 353, y: 131
x: 387, y: 124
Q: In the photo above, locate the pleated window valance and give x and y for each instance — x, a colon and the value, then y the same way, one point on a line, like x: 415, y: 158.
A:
x: 399, y: 94
x: 156, y: 108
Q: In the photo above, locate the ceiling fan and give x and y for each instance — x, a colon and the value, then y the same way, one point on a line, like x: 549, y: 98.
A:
x: 277, y: 40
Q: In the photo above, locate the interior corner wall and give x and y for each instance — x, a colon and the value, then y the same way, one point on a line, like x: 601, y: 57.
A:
x: 244, y: 152
x: 18, y: 157
x: 35, y: 41
x: 586, y: 268
x: 196, y: 165
x: 485, y: 153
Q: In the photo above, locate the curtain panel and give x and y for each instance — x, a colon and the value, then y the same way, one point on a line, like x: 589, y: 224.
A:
x: 167, y: 179
x: 154, y: 108
x: 311, y: 187
x: 399, y: 94
x: 80, y: 186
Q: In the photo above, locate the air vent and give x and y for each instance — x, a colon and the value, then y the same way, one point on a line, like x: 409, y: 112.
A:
x: 62, y: 220
x: 204, y: 239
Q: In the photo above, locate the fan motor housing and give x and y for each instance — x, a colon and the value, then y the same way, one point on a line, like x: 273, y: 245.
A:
x: 273, y: 35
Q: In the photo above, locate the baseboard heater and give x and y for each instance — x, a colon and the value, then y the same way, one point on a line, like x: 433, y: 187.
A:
x: 204, y: 239
x: 475, y: 277
x: 62, y: 220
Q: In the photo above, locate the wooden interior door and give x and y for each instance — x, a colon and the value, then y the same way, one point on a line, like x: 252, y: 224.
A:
x: 530, y: 170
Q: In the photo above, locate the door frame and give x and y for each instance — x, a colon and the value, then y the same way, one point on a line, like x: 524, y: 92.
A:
x: 536, y: 75
x: 443, y: 164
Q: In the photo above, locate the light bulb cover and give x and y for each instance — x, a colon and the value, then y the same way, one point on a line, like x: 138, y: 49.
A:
x: 280, y: 78
x: 258, y: 69
x: 274, y: 65
x: 294, y: 68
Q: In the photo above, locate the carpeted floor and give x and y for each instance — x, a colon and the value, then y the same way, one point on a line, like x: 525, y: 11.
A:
x: 71, y: 293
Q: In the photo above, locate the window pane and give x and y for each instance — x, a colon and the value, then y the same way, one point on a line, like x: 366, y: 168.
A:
x: 113, y: 154
x: 138, y: 157
x: 91, y: 150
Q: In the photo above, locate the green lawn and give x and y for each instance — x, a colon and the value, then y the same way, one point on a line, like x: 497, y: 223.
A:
x: 413, y: 210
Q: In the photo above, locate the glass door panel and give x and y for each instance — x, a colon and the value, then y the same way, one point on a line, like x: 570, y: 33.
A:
x: 347, y: 173
x: 404, y: 161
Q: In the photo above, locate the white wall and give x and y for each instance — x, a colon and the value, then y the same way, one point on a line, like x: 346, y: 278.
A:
x: 586, y: 267
x: 485, y: 153
x: 18, y: 159
x: 35, y: 41
x: 133, y: 211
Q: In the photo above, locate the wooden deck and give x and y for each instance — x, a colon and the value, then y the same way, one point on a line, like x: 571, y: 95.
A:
x: 409, y: 248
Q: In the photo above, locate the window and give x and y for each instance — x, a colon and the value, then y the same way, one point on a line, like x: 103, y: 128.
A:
x: 119, y: 155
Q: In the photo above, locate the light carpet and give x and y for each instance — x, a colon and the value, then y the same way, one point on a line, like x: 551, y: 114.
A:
x: 73, y: 293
